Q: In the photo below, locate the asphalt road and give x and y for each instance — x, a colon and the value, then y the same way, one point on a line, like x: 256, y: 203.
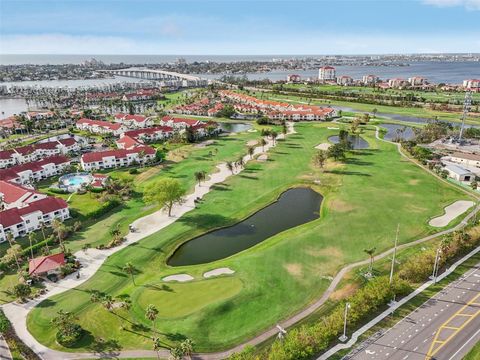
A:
x: 445, y: 327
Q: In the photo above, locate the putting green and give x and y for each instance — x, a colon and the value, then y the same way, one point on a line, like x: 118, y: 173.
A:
x: 174, y: 300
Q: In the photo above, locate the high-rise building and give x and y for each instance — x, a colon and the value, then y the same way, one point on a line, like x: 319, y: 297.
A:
x: 326, y: 73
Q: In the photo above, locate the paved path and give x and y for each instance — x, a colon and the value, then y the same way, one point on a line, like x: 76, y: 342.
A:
x: 445, y: 326
x: 4, y: 350
x: 17, y: 313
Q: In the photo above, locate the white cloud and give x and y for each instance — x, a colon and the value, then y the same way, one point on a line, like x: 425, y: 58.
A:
x: 468, y: 4
x: 320, y: 43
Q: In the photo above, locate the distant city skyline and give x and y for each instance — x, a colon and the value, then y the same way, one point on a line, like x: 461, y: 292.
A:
x: 239, y: 27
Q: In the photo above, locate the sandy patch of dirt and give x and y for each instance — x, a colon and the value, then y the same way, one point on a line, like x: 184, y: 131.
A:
x: 252, y: 143
x: 345, y: 291
x: 340, y: 206
x: 413, y: 182
x: 294, y: 269
x: 328, y: 251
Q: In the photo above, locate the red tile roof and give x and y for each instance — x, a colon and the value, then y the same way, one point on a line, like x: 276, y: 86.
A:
x: 189, y: 122
x: 9, y: 123
x: 46, y: 205
x: 104, y: 124
x: 152, y: 130
x: 128, y: 142
x: 35, y: 165
x: 12, y: 192
x: 6, y: 154
x: 43, y: 264
x: 119, y: 153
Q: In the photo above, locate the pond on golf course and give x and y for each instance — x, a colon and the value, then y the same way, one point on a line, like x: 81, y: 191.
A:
x: 356, y: 141
x: 397, y: 132
x: 294, y: 207
x: 234, y: 127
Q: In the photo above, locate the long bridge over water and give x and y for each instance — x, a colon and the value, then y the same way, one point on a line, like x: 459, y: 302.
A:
x: 167, y: 77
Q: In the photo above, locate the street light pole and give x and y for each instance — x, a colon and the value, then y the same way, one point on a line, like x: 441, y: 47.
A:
x: 435, y: 266
x: 394, y: 254
x: 344, y: 337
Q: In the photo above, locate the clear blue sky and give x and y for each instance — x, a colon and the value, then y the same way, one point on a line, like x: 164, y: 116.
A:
x: 239, y: 27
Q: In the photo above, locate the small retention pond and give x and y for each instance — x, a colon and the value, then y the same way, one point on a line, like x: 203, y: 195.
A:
x: 357, y: 141
x: 234, y: 127
x: 294, y: 207
x: 398, y: 132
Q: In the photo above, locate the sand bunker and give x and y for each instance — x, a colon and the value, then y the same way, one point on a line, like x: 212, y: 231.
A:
x: 323, y: 146
x: 219, y: 271
x: 178, y: 277
x: 451, y: 212
x: 252, y: 143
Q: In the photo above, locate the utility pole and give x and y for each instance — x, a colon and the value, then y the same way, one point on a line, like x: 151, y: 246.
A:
x: 344, y: 337
x: 435, y: 267
x: 394, y: 254
x: 467, y: 102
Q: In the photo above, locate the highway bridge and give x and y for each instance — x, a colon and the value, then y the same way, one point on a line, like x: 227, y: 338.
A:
x: 167, y: 77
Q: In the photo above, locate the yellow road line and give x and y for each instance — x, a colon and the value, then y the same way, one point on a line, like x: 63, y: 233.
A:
x: 431, y: 352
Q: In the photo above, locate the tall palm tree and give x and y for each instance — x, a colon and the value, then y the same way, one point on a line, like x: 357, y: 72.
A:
x: 200, y: 176
x: 274, y: 136
x: 241, y: 162
x: 31, y: 239
x: 263, y: 142
x: 108, y: 302
x: 56, y: 226
x: 230, y: 166
x: 251, y: 151
x: 130, y: 269
x: 151, y: 314
x: 371, y: 253
x: 187, y: 347
x: 11, y: 242
x: 157, y: 346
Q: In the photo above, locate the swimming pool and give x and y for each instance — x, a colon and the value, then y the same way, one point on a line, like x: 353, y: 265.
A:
x: 72, y: 182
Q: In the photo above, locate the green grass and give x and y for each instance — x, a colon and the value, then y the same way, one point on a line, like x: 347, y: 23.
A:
x: 474, y: 354
x: 364, y: 201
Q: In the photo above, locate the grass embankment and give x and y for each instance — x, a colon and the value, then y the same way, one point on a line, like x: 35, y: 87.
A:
x: 405, y: 111
x: 364, y: 200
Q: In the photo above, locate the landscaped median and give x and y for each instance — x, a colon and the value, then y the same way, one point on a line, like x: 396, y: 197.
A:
x: 365, y: 199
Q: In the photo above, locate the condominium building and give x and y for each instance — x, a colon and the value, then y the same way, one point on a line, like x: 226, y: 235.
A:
x: 117, y: 158
x: 19, y: 221
x: 326, y: 73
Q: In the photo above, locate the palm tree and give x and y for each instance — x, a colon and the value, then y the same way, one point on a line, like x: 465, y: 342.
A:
x: 370, y: 253
x: 187, y: 347
x: 200, y: 176
x: 251, y: 151
x: 263, y: 142
x: 11, y: 242
x: 230, y: 166
x: 42, y: 229
x: 108, y: 303
x: 57, y: 229
x: 151, y: 314
x: 31, y: 239
x: 241, y: 162
x: 157, y: 346
x: 130, y: 269
x: 274, y: 136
